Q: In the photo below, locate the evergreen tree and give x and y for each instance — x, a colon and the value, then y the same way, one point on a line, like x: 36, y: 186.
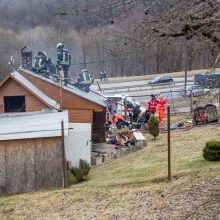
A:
x: 80, y: 172
x: 153, y: 126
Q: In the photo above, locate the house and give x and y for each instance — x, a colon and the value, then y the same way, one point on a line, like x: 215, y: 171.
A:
x: 83, y: 107
x: 31, y: 146
x: 25, y: 91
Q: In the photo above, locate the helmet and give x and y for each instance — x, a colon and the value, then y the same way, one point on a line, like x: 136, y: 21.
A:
x: 60, y: 45
x: 84, y: 70
x: 41, y: 53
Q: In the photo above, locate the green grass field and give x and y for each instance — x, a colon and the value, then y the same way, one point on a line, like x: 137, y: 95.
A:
x: 119, y: 187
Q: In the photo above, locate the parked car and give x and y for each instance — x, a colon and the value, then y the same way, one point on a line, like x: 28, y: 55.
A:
x: 208, y: 80
x: 160, y: 80
x: 195, y: 90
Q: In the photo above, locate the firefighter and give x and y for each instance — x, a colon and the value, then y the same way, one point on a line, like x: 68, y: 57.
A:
x: 50, y: 66
x: 136, y: 112
x: 39, y: 62
x: 118, y: 120
x: 84, y: 80
x: 63, y: 60
x: 161, y: 107
x: 152, y: 104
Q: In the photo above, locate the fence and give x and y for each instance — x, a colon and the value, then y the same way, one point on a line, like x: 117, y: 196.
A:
x: 150, y: 164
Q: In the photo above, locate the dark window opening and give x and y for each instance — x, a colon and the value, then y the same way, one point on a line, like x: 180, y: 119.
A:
x: 14, y: 104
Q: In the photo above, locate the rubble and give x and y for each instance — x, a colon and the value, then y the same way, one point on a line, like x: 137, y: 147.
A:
x: 119, y: 142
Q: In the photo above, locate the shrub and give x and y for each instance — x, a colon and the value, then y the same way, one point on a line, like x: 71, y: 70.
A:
x: 80, y: 172
x: 211, y: 151
x: 153, y: 126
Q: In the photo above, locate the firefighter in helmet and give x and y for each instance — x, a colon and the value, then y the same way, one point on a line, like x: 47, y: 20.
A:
x: 63, y: 60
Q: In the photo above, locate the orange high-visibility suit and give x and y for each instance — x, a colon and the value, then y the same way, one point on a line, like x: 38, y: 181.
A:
x: 117, y: 117
x: 161, y: 106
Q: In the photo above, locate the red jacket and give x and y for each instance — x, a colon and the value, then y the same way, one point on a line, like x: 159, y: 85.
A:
x: 152, y: 105
x: 162, y: 103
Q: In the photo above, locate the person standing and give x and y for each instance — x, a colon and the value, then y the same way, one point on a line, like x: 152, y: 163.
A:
x: 152, y: 104
x: 161, y: 107
x: 63, y: 60
x: 104, y: 75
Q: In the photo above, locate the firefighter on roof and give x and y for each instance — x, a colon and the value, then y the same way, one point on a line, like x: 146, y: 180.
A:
x: 63, y: 60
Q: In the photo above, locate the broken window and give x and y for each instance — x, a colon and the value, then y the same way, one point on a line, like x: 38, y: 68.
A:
x: 14, y: 104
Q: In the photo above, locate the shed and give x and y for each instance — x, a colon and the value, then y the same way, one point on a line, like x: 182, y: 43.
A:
x: 31, y: 151
x: 83, y: 107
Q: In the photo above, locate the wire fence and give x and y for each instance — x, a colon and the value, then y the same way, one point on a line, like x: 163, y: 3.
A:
x: 131, y: 164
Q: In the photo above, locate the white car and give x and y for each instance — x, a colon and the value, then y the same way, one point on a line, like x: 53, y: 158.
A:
x: 196, y: 91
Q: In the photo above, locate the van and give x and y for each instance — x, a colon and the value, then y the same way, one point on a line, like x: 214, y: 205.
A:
x: 118, y: 103
x: 207, y: 80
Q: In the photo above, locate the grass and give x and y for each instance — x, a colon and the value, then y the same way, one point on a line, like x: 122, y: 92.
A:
x: 151, y: 162
x: 117, y: 187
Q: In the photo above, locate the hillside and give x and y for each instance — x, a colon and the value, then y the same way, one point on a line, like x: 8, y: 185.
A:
x: 135, y: 186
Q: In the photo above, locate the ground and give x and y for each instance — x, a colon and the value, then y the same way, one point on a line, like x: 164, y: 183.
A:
x: 135, y: 186
x: 196, y: 198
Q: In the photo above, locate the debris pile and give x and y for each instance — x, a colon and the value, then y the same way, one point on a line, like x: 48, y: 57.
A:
x: 121, y: 139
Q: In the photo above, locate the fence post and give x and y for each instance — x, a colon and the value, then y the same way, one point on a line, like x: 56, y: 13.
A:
x: 191, y: 101
x: 63, y: 155
x: 219, y: 95
x: 168, y: 142
x: 125, y: 106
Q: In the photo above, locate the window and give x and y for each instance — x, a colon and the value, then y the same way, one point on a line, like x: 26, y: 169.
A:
x: 14, y: 104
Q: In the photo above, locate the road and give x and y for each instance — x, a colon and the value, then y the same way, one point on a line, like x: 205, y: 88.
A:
x: 142, y: 94
x: 133, y: 83
x: 168, y: 91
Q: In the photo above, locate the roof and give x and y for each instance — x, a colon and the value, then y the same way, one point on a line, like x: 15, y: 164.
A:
x: 32, y: 125
x: 34, y: 90
x: 91, y: 96
x: 26, y: 48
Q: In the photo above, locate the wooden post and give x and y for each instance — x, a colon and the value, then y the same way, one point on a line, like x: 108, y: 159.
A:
x: 125, y: 106
x: 219, y: 95
x: 191, y: 101
x: 168, y: 142
x: 63, y: 155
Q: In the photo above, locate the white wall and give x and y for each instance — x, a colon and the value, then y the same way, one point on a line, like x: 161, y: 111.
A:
x: 78, y: 143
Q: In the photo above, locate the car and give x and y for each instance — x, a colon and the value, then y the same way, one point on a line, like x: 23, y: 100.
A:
x: 208, y: 80
x: 195, y: 90
x: 161, y: 80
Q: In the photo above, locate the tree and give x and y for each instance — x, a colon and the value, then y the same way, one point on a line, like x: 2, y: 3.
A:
x: 190, y: 19
x: 81, y: 172
x: 153, y: 126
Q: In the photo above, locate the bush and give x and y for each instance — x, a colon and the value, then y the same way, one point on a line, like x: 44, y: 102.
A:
x: 80, y: 172
x: 211, y: 151
x: 153, y: 126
